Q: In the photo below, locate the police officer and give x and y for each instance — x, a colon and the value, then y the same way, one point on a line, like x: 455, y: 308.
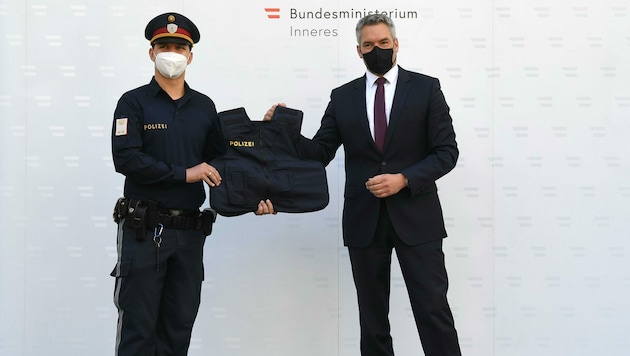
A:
x: 163, y: 135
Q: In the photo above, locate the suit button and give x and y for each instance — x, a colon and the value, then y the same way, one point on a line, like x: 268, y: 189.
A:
x: 383, y: 163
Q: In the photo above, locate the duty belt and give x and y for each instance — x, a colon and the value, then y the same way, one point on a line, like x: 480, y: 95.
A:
x: 140, y: 215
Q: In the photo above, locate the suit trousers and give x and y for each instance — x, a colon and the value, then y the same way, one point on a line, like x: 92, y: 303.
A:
x: 426, y: 280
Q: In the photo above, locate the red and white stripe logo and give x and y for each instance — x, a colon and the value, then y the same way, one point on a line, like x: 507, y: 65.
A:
x: 273, y: 12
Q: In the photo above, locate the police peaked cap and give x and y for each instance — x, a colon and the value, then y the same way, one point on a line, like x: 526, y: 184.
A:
x: 172, y: 27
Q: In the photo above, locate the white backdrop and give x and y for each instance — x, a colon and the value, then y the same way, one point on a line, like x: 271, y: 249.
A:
x: 536, y: 209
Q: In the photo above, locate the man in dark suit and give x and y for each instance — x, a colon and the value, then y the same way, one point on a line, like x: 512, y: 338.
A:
x: 396, y: 147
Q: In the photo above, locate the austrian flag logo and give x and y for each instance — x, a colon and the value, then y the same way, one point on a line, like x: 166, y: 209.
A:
x: 273, y: 12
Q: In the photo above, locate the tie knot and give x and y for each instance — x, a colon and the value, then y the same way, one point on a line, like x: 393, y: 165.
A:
x: 381, y: 80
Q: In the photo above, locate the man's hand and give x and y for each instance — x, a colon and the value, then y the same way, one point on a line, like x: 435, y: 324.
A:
x: 269, y: 113
x: 204, y: 172
x: 384, y: 185
x: 265, y: 207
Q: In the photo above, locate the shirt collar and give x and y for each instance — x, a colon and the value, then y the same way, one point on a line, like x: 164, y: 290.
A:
x: 391, y: 75
x: 155, y: 87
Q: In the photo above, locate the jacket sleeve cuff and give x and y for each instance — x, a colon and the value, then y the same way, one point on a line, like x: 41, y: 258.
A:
x: 179, y: 174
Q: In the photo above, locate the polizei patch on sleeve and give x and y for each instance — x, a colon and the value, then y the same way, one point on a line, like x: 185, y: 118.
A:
x: 121, y: 126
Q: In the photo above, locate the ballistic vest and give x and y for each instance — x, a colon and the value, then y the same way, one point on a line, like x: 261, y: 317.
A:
x: 261, y: 162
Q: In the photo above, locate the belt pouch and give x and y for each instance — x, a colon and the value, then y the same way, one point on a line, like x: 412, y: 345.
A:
x: 137, y: 221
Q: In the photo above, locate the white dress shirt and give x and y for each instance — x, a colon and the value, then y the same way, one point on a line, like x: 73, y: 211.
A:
x: 370, y: 91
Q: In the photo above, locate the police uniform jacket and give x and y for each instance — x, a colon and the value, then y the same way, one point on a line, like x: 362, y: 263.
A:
x: 155, y: 139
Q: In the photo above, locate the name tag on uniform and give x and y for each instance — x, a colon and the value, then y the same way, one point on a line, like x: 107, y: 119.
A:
x: 121, y: 126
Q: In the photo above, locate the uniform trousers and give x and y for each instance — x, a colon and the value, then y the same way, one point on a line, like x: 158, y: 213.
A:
x: 424, y: 272
x: 157, y: 292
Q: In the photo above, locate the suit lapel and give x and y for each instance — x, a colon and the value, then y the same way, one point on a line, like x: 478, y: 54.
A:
x: 358, y: 98
x: 402, y: 88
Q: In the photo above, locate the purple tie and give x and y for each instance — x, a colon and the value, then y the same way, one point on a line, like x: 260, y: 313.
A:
x: 380, y: 120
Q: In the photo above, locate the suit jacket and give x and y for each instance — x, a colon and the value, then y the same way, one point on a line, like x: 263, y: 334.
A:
x: 420, y: 143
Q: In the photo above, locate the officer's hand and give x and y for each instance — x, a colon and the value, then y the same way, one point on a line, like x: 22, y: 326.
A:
x: 265, y: 207
x: 269, y: 113
x: 203, y: 172
x: 384, y: 185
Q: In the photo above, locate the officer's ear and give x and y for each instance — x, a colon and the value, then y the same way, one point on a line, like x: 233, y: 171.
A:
x: 152, y: 53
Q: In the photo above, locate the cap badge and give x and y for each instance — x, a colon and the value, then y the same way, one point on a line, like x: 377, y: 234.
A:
x: 171, y: 18
x: 171, y: 28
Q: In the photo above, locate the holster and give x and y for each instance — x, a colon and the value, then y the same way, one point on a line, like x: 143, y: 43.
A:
x: 206, y: 219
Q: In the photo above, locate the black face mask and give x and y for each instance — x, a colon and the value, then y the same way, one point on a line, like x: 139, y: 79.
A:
x: 379, y: 60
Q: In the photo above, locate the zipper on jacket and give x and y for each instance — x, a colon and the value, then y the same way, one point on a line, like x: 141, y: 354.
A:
x: 264, y: 163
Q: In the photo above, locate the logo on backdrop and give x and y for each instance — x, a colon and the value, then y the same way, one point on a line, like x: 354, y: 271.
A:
x: 319, y: 22
x: 273, y: 12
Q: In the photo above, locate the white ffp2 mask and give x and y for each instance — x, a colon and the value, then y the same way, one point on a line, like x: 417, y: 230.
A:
x: 171, y: 64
